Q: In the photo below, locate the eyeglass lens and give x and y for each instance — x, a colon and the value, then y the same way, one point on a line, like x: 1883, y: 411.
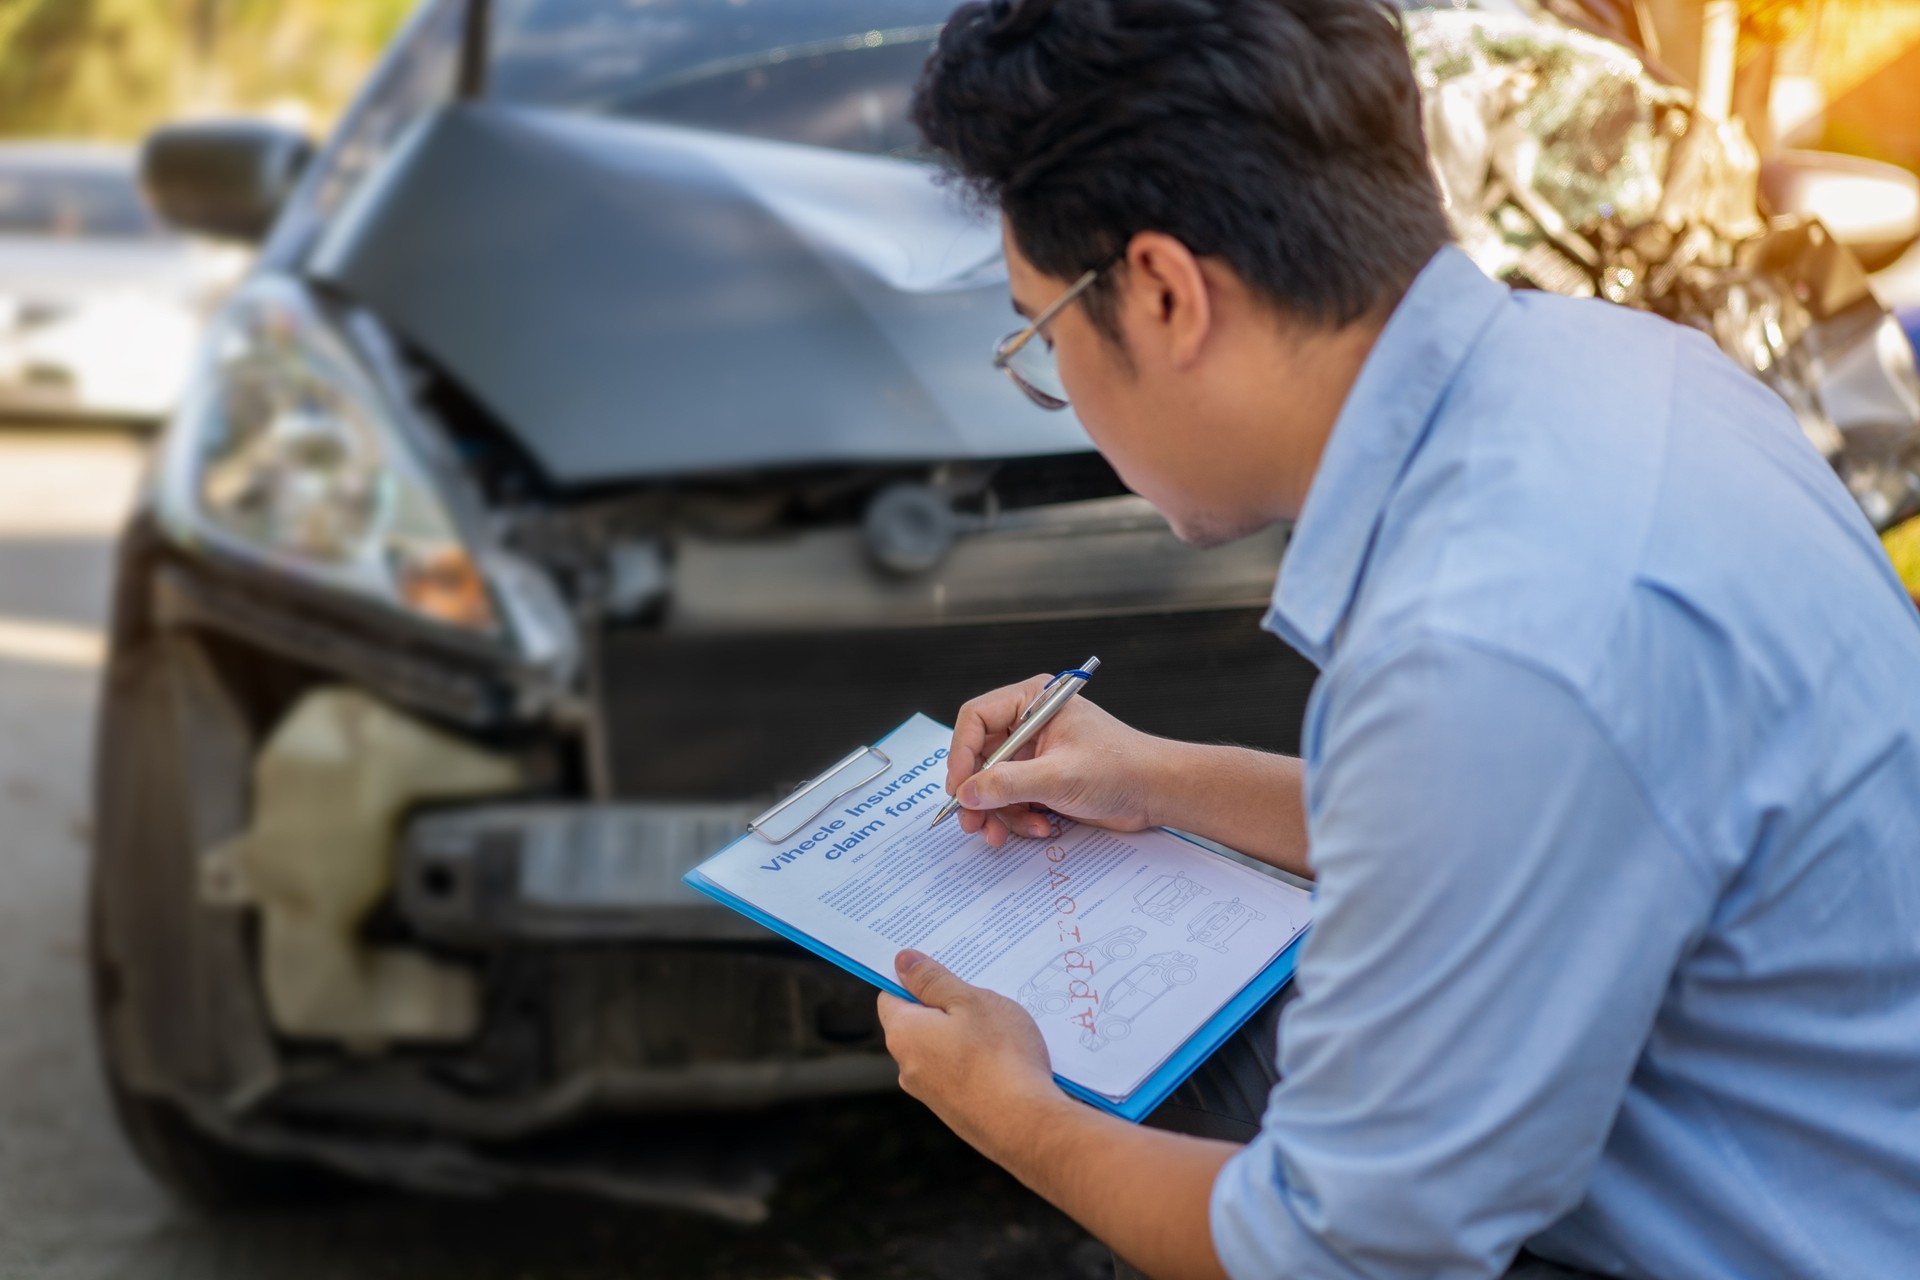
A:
x: 1033, y: 369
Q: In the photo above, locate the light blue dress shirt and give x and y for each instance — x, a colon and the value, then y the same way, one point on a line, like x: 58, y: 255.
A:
x: 1613, y: 792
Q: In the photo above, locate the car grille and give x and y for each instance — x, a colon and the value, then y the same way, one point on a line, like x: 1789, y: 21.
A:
x: 741, y: 715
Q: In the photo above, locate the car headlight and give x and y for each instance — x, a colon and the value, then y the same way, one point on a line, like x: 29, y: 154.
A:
x: 286, y: 451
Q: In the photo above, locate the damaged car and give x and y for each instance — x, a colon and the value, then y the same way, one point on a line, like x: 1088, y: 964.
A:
x: 605, y: 440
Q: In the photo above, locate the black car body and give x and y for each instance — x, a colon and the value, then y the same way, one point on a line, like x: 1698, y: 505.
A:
x: 604, y: 442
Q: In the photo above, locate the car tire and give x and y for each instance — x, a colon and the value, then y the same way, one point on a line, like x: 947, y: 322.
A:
x: 192, y: 1166
x: 203, y: 1174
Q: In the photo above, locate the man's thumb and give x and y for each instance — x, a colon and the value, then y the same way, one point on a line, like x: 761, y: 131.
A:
x: 929, y: 981
x: 1013, y: 782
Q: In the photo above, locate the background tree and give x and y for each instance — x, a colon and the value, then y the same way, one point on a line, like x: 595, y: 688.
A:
x: 114, y: 68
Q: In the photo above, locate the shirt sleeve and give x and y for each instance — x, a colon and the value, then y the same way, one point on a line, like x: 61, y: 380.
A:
x: 1498, y: 915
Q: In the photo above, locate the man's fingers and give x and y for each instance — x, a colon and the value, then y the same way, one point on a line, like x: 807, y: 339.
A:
x: 1035, y: 781
x: 986, y: 719
x: 893, y: 1008
x: 1002, y: 825
x: 929, y: 980
x: 1029, y: 823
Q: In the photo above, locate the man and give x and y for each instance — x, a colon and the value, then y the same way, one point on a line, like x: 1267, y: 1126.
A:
x: 1611, y: 782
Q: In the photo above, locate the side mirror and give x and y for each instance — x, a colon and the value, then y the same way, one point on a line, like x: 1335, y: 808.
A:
x: 1871, y: 208
x: 225, y: 179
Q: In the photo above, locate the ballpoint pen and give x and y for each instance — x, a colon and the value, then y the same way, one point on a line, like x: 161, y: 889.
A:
x: 1031, y: 720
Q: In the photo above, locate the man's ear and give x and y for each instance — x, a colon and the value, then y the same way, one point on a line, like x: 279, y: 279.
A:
x: 1167, y: 297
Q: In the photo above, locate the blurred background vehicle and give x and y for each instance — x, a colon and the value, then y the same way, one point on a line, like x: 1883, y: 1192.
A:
x: 1567, y: 167
x: 603, y: 441
x: 101, y: 306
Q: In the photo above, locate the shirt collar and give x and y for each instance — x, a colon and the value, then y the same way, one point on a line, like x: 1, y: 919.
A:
x: 1401, y: 383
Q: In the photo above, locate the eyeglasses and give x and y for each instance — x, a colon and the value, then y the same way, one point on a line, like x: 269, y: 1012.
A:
x: 1030, y: 364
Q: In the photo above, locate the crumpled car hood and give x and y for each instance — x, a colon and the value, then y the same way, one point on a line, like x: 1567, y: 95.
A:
x: 641, y: 300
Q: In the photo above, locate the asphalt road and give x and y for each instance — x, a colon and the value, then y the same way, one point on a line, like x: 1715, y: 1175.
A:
x: 887, y: 1195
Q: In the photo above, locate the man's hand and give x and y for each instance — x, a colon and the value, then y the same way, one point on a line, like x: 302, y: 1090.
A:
x: 1090, y: 767
x: 977, y: 1060
x: 1084, y: 765
x: 974, y: 1057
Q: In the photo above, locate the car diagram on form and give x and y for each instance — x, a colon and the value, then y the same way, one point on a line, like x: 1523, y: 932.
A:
x: 1214, y: 926
x: 1165, y: 897
x: 1137, y: 991
x: 1047, y: 994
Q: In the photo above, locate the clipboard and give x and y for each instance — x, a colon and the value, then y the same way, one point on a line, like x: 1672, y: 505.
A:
x: 777, y: 824
x: 854, y: 771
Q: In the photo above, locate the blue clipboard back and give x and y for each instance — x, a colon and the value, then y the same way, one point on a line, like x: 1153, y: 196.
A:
x: 1137, y: 1105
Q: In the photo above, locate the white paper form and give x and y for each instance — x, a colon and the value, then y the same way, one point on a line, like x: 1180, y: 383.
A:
x: 1121, y: 946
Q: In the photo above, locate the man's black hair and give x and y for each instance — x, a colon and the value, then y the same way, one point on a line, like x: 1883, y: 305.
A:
x: 1282, y: 136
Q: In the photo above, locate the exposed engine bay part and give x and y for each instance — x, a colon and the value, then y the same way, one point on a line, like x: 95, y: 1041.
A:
x: 1107, y: 555
x: 910, y: 528
x: 614, y: 555
x: 1566, y: 165
x: 637, y: 579
x: 330, y: 789
x: 497, y: 874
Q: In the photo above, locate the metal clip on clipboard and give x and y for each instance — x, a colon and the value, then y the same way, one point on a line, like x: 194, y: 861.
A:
x: 778, y: 824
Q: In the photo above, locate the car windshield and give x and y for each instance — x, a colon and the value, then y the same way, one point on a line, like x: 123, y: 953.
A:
x: 829, y: 73
x: 48, y: 200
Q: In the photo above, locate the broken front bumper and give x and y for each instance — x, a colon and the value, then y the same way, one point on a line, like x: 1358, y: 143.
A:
x: 359, y: 924
x: 434, y: 940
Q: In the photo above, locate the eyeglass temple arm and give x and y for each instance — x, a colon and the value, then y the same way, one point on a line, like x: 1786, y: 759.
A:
x: 1011, y: 347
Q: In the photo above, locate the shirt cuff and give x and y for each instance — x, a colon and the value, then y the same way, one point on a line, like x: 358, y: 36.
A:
x: 1257, y: 1235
